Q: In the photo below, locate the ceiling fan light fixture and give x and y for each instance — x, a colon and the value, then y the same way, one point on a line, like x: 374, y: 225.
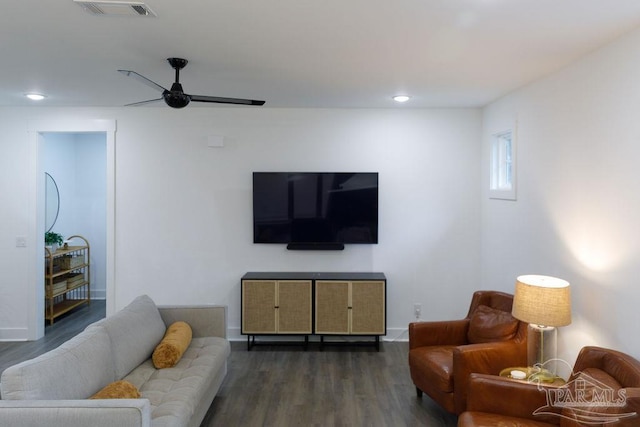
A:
x: 176, y: 98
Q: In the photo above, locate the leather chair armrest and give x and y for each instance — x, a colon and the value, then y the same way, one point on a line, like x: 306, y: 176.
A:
x: 632, y: 406
x: 424, y: 334
x: 623, y: 367
x: 590, y: 357
x: 503, y: 396
x: 607, y: 413
x: 485, y: 358
x: 633, y: 393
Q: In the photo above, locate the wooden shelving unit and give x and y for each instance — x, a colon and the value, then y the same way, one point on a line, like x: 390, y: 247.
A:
x: 67, y: 279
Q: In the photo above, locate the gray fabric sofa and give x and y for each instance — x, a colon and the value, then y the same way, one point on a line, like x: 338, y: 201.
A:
x: 53, y: 389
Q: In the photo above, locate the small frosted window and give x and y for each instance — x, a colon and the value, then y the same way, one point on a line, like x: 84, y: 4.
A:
x: 502, y: 177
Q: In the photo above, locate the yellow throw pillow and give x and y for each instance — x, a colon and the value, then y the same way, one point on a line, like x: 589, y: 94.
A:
x: 173, y: 345
x: 118, y: 390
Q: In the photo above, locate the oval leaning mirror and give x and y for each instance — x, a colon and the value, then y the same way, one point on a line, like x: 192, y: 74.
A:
x: 51, y: 202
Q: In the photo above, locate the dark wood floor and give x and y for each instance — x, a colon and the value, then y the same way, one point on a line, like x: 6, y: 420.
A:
x: 66, y: 326
x: 340, y: 386
x: 286, y: 386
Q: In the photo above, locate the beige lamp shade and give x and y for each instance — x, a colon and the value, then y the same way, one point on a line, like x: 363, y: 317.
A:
x: 542, y: 300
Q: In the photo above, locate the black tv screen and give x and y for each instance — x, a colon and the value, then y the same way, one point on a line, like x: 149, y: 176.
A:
x: 310, y: 207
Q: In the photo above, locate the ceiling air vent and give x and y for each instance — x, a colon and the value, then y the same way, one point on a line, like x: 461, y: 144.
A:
x: 122, y: 8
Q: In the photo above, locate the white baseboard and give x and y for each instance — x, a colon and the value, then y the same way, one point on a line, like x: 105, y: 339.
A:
x: 98, y: 294
x: 22, y: 334
x: 397, y: 334
x: 13, y: 334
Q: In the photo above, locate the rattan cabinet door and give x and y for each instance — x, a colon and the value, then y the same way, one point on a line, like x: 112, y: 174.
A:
x: 294, y: 307
x: 368, y: 306
x: 332, y: 307
x: 259, y: 306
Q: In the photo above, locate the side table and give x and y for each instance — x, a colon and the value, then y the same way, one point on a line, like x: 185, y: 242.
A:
x: 532, y: 374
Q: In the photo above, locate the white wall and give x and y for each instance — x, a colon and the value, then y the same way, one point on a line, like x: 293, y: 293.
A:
x: 15, y: 217
x: 578, y: 208
x: 183, y: 210
x: 91, y: 203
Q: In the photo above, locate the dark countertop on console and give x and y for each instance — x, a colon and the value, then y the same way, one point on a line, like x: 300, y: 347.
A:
x: 292, y: 275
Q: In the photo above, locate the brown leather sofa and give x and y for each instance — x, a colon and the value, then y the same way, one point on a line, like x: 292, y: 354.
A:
x: 601, y: 379
x: 443, y: 354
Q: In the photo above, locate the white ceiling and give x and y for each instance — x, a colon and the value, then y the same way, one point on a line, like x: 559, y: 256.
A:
x: 301, y: 53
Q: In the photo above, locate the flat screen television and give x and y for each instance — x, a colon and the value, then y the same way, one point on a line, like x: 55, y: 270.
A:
x: 313, y: 209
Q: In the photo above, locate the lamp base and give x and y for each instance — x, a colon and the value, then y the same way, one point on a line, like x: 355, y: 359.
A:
x: 542, y: 347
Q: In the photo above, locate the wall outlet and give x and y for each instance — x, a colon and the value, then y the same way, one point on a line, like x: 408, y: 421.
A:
x: 21, y: 242
x: 417, y: 310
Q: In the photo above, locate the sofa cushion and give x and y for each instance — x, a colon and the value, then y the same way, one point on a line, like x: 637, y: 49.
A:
x: 82, y: 366
x: 596, y: 390
x: 175, y: 392
x: 490, y: 324
x: 118, y: 390
x: 435, y: 364
x: 173, y: 345
x: 134, y: 332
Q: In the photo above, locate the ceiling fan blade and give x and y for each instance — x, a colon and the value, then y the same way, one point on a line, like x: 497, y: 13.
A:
x: 221, y: 100
x: 136, y: 104
x: 142, y: 79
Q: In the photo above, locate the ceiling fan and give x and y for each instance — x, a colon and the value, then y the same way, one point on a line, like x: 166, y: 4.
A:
x: 175, y: 97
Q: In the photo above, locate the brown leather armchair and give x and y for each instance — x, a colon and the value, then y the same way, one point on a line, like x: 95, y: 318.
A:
x: 443, y: 354
x: 604, y: 390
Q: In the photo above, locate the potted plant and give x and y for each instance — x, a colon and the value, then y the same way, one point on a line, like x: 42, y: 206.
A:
x: 52, y: 240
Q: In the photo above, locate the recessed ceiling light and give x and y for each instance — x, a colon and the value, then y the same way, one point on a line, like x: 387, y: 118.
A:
x: 401, y: 98
x: 35, y: 96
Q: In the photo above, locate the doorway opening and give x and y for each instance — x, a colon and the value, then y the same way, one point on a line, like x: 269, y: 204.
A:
x: 79, y: 157
x: 75, y: 205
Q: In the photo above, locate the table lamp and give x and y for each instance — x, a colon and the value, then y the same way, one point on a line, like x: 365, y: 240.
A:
x: 544, y: 303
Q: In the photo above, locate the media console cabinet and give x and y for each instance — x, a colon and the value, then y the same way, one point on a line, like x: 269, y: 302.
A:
x: 304, y: 304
